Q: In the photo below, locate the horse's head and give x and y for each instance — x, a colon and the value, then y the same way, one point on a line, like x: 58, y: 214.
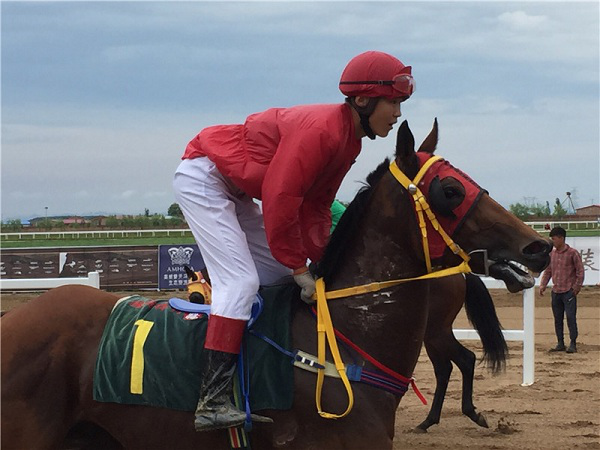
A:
x: 471, y: 217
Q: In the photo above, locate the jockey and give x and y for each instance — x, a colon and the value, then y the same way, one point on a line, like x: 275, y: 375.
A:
x: 294, y: 160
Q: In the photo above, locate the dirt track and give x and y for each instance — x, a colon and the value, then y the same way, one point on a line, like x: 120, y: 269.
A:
x: 561, y: 410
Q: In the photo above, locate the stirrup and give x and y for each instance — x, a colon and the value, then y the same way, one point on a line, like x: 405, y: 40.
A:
x: 210, y: 420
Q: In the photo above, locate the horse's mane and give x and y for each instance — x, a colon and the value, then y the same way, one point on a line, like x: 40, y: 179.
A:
x: 348, y: 224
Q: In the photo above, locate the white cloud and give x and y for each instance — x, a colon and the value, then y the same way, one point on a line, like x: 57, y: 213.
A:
x: 126, y: 194
x: 520, y: 20
x: 102, y: 98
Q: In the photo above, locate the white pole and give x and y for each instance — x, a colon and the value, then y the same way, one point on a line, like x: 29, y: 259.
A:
x: 526, y: 335
x: 94, y: 278
x: 529, y: 336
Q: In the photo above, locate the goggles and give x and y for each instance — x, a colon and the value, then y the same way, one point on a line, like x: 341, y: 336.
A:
x: 403, y: 84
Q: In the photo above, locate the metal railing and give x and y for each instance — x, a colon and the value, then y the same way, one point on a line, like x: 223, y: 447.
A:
x: 93, y: 234
x: 32, y: 284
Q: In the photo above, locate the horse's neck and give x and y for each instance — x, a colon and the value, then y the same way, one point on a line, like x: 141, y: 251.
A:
x: 387, y: 248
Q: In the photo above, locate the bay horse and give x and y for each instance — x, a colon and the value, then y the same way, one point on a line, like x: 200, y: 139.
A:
x: 49, y: 345
x: 447, y: 298
x: 448, y: 294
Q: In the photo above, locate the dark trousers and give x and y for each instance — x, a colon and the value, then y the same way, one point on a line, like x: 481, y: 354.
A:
x: 565, y: 302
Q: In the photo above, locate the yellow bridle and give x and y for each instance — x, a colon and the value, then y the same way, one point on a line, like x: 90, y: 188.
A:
x: 325, y: 330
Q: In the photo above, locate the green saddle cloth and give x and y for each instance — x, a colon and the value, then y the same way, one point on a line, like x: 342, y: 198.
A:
x: 150, y: 354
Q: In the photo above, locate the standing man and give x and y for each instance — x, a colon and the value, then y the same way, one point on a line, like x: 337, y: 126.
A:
x: 566, y: 271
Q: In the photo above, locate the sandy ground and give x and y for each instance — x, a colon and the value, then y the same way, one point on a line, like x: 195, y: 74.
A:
x: 561, y: 410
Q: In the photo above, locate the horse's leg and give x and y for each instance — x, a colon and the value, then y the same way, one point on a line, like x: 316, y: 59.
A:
x: 442, y: 368
x: 465, y: 361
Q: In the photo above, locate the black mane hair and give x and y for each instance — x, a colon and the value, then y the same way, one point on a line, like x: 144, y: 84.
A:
x: 348, y: 224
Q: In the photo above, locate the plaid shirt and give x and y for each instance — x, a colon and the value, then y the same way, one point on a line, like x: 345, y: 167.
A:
x: 566, y: 270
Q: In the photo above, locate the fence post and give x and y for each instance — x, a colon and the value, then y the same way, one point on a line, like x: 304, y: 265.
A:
x: 94, y: 278
x: 529, y: 336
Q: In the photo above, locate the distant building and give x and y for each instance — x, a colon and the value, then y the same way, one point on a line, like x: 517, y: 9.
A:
x: 592, y: 211
x: 98, y: 221
x: 74, y: 220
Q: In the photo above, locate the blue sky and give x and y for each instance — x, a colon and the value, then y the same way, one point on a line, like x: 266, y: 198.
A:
x: 99, y: 99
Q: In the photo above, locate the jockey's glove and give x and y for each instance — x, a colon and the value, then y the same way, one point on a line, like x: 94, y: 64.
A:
x: 306, y: 281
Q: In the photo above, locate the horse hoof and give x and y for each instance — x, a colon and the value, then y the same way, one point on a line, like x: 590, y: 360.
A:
x: 481, y: 421
x: 420, y: 430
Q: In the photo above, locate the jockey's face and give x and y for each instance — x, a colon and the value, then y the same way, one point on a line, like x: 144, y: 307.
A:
x: 385, y: 115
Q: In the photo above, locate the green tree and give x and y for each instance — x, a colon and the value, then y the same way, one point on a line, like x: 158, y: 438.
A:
x: 174, y: 210
x: 520, y: 210
x: 559, y: 211
x: 527, y: 211
x: 13, y: 225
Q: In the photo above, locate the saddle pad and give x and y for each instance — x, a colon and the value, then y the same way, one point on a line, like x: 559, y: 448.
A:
x: 150, y: 354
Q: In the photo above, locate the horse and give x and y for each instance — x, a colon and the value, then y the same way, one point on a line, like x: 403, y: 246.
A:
x: 447, y: 298
x: 448, y: 294
x: 49, y: 345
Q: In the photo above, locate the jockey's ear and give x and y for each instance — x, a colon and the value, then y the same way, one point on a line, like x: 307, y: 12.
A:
x: 406, y: 159
x: 430, y: 142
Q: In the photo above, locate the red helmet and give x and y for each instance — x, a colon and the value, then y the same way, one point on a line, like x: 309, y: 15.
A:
x: 377, y: 74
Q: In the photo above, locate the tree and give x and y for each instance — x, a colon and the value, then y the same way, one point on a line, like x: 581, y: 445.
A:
x: 174, y: 211
x: 526, y: 211
x: 520, y: 210
x: 13, y: 225
x: 112, y: 222
x: 559, y: 211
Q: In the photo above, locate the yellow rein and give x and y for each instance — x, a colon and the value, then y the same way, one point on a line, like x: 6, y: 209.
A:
x: 325, y: 330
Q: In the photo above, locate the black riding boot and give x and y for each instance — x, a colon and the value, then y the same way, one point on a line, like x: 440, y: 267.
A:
x: 215, y: 410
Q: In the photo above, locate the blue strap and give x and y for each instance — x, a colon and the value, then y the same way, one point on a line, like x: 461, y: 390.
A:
x: 273, y: 343
x: 245, y: 388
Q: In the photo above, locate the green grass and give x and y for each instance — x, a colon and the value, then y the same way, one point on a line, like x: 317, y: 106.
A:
x: 31, y: 243
x: 67, y: 241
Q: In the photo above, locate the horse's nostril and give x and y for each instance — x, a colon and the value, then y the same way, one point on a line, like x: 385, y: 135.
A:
x: 537, y: 247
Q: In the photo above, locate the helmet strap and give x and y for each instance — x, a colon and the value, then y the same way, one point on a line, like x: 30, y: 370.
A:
x: 364, y: 112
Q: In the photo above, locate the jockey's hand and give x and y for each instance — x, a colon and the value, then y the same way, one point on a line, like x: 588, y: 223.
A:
x: 306, y: 281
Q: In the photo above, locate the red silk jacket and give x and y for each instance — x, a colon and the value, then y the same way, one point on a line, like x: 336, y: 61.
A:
x: 294, y: 160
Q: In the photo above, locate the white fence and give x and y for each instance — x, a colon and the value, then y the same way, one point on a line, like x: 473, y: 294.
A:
x: 93, y: 279
x: 526, y: 335
x: 93, y: 234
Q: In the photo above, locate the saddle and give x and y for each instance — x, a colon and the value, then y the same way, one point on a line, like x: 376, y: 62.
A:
x: 150, y: 352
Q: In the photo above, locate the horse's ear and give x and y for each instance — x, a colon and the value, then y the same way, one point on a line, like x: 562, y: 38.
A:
x: 430, y: 143
x: 406, y: 158
x: 190, y: 273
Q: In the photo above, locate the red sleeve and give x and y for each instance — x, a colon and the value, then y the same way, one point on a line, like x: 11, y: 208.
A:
x: 547, y: 274
x: 579, y: 269
x: 316, y: 225
x: 300, y: 158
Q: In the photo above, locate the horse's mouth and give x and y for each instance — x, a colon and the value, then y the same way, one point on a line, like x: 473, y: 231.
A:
x: 514, y: 277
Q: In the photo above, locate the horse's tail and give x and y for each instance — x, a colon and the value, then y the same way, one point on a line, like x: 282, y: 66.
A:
x: 482, y: 314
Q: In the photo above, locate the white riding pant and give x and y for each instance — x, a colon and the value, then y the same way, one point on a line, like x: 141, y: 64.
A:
x: 229, y: 229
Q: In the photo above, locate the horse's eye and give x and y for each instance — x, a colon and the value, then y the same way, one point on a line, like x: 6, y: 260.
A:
x: 451, y: 192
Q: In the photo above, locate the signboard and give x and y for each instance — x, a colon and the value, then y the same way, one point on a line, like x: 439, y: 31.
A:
x: 120, y: 267
x: 589, y: 249
x: 171, y: 262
